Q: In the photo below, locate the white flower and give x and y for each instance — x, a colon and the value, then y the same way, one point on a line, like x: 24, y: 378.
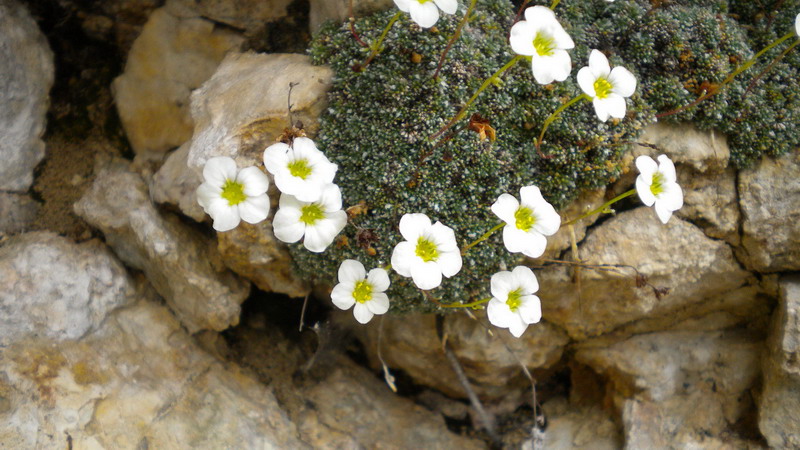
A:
x: 607, y: 88
x: 300, y: 169
x: 513, y: 304
x: 656, y: 184
x: 527, y: 223
x: 541, y: 37
x: 428, y: 252
x: 229, y: 197
x: 363, y: 290
x: 426, y: 12
x: 797, y: 24
x: 320, y: 221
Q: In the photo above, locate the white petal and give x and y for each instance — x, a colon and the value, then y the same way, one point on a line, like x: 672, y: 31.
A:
x: 412, y: 226
x: 286, y: 225
x: 498, y: 313
x: 322, y: 234
x: 586, y: 81
x: 444, y: 237
x: 797, y: 24
x: 601, y: 109
x: 542, y: 70
x: 516, y: 326
x: 530, y: 309
x: 672, y: 196
x: 528, y: 243
x: 623, y: 81
x: 643, y: 189
x: 540, y: 16
x: 362, y: 314
x: 424, y: 14
x: 615, y: 105
x: 324, y: 171
x: 663, y: 212
x: 403, y: 5
x: 254, y: 181
x: 379, y: 279
x: 426, y: 275
x: 218, y: 170
x: 254, y: 209
x: 547, y: 219
x: 342, y: 296
x: 206, y: 193
x: 305, y: 148
x: 225, y: 217
x: 535, y: 244
x: 403, y: 257
x: 505, y: 207
x: 598, y: 63
x: 296, y: 186
x: 501, y: 284
x: 379, y: 303
x: 525, y: 279
x: 447, y: 6
x: 531, y: 197
x: 562, y: 38
x: 560, y: 65
x: 521, y: 39
x: 276, y: 157
x: 351, y: 271
x: 667, y: 168
x: 331, y: 198
x: 647, y: 167
x: 450, y: 263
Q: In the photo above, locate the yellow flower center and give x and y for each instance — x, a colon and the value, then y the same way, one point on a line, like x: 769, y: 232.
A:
x: 427, y: 250
x: 300, y: 168
x: 657, y: 186
x: 310, y: 214
x: 525, y: 218
x: 233, y: 192
x: 363, y: 291
x: 514, y: 300
x: 544, y: 44
x: 602, y: 87
x: 422, y: 2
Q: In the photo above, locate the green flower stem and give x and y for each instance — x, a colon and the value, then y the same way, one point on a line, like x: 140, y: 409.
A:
x: 376, y: 46
x: 486, y: 83
x: 729, y: 78
x: 554, y: 4
x: 771, y: 65
x: 482, y: 238
x: 466, y: 305
x: 603, y: 207
x: 555, y: 114
x: 454, y: 38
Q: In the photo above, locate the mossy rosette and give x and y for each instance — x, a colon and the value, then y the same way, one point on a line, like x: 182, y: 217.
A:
x: 379, y: 120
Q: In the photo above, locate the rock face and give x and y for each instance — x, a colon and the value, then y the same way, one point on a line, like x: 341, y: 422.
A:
x: 578, y: 428
x: 17, y: 211
x: 167, y: 61
x: 677, y: 256
x: 26, y: 75
x: 180, y: 263
x: 702, y: 151
x: 56, y: 289
x: 339, y: 10
x: 175, y: 184
x: 244, y: 15
x: 770, y: 199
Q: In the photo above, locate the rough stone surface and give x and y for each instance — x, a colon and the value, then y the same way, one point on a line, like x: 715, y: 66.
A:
x: 17, y: 212
x: 410, y: 343
x: 339, y: 10
x: 677, y: 388
x: 704, y: 151
x: 779, y: 405
x: 563, y: 238
x: 26, y: 75
x: 244, y: 15
x: 175, y: 184
x: 677, y: 256
x: 711, y: 201
x: 167, y: 61
x: 181, y: 263
x: 571, y: 427
x: 137, y: 382
x: 770, y: 202
x: 55, y: 288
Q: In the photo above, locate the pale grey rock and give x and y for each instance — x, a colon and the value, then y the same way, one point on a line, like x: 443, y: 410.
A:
x: 175, y: 184
x: 244, y: 15
x: 54, y: 288
x: 704, y: 151
x: 182, y: 264
x: 339, y: 10
x: 137, y: 382
x: 564, y: 237
x: 711, y: 201
x: 171, y: 57
x: 770, y: 201
x: 17, y: 212
x: 410, y: 343
x: 575, y: 427
x: 677, y: 256
x: 26, y: 75
x: 779, y: 404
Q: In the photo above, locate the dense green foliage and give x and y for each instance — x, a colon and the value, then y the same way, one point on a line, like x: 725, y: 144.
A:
x: 379, y: 120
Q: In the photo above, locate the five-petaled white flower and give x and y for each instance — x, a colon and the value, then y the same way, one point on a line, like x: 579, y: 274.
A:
x: 365, y: 291
x: 228, y: 196
x: 426, y: 12
x: 513, y: 304
x: 527, y: 222
x: 607, y: 88
x: 428, y: 252
x: 300, y: 170
x: 656, y: 185
x: 541, y: 37
x: 320, y: 221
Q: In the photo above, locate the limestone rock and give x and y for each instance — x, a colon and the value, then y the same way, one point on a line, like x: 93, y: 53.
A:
x: 244, y: 15
x: 410, y: 343
x: 167, y: 61
x: 17, y: 212
x: 339, y: 10
x: 562, y: 240
x: 175, y: 184
x: 55, y: 288
x: 770, y: 202
x: 779, y: 405
x: 180, y: 263
x: 704, y: 151
x: 26, y: 75
x: 677, y: 256
x: 711, y: 201
x: 579, y: 428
